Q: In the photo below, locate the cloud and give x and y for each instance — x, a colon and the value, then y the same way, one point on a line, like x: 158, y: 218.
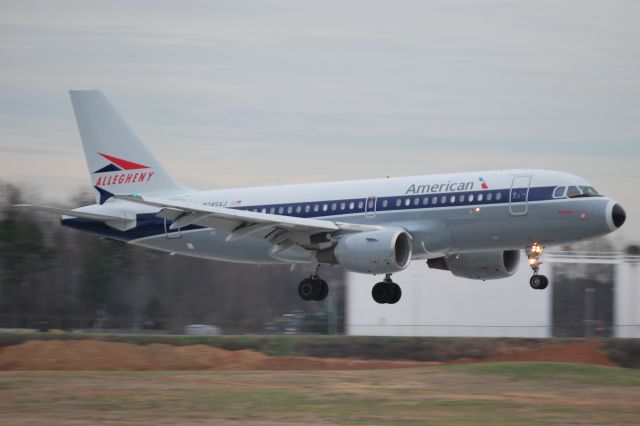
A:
x: 239, y: 93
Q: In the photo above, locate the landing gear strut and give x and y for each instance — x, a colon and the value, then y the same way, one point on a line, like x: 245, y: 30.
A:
x: 386, y: 291
x: 537, y: 282
x: 313, y: 288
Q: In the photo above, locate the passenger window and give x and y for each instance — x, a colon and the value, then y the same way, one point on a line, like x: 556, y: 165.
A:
x: 461, y: 198
x: 351, y: 205
x: 272, y: 210
x: 443, y: 199
x: 325, y: 207
x: 316, y: 207
x: 480, y: 197
x: 370, y: 204
x: 398, y: 202
x: 343, y: 205
x: 360, y: 205
x: 280, y: 210
x: 490, y: 196
x: 334, y: 206
x: 471, y: 198
x: 307, y: 208
x: 425, y: 201
x: 559, y: 192
x: 499, y: 196
x: 298, y: 208
x: 289, y: 210
x: 385, y: 203
x: 453, y: 199
x: 416, y: 201
x: 407, y: 201
x: 264, y: 210
x: 434, y: 200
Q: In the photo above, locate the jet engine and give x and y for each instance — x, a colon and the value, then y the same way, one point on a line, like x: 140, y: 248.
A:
x: 479, y: 265
x: 373, y: 252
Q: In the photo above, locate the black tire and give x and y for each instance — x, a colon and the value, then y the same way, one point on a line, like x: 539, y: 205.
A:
x: 324, y: 290
x: 545, y: 282
x: 394, y: 294
x: 536, y: 282
x: 308, y: 289
x: 379, y: 292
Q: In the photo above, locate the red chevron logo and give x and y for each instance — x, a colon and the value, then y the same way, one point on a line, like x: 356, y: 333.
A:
x: 124, y: 164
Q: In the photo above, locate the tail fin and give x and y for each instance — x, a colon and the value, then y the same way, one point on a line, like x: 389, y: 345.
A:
x: 118, y: 161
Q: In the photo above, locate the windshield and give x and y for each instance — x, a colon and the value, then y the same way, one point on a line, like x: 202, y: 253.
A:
x: 581, y: 191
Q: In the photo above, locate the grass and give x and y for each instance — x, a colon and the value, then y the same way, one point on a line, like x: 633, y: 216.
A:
x: 495, y: 393
x: 584, y: 374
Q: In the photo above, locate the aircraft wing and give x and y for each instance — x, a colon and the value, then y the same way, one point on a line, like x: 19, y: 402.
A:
x: 282, y: 231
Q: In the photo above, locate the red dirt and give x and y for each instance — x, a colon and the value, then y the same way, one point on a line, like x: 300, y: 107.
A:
x: 587, y: 352
x: 108, y: 356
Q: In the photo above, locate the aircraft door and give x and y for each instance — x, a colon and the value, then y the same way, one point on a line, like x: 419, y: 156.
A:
x: 370, y: 207
x: 519, y: 195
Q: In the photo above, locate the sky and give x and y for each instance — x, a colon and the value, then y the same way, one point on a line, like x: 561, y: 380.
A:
x: 242, y: 93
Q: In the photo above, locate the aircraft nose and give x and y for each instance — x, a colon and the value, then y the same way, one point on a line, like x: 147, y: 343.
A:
x: 618, y: 215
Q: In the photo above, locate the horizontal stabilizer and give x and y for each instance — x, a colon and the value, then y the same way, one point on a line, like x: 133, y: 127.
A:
x: 73, y: 213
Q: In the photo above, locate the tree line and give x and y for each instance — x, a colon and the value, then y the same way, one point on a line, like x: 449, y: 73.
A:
x: 74, y: 280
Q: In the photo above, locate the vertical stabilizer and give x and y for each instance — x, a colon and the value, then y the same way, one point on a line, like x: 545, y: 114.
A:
x: 118, y: 161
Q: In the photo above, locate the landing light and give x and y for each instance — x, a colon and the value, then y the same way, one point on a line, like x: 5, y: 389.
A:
x: 477, y: 210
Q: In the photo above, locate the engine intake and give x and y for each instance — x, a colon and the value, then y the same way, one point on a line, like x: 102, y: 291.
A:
x: 480, y: 265
x: 373, y: 252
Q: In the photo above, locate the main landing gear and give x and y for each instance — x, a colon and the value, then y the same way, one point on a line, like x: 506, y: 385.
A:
x: 386, y: 291
x: 313, y: 288
x: 537, y: 282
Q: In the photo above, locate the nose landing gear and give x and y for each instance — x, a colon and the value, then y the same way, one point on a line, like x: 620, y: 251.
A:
x: 534, y: 252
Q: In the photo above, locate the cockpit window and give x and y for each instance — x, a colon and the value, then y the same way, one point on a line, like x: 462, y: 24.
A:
x: 589, y: 191
x: 574, y: 192
x: 559, y: 192
x: 581, y: 191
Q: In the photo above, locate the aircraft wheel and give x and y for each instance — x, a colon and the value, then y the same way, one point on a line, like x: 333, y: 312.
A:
x: 545, y: 282
x: 308, y: 289
x: 324, y: 290
x: 395, y: 293
x: 539, y: 282
x: 379, y: 292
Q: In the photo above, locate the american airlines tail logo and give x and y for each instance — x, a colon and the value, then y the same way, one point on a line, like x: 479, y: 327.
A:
x: 483, y: 184
x: 126, y: 175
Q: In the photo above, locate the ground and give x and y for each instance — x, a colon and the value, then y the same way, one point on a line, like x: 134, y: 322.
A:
x: 104, y: 382
x: 487, y: 393
x: 103, y: 355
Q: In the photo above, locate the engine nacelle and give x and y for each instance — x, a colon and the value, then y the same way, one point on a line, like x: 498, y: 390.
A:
x: 373, y: 252
x: 480, y: 265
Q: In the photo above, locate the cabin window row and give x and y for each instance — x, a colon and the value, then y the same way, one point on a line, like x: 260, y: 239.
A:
x: 346, y: 206
x: 443, y: 199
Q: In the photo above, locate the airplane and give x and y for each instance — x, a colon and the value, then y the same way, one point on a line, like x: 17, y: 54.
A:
x: 474, y: 225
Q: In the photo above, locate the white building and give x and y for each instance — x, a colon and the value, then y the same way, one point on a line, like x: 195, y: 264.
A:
x: 435, y: 303
x: 626, y: 311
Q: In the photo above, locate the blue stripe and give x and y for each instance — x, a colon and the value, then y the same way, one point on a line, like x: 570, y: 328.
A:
x: 383, y: 204
x: 149, y: 225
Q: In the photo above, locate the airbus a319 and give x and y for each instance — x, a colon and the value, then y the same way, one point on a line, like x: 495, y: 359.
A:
x: 474, y: 225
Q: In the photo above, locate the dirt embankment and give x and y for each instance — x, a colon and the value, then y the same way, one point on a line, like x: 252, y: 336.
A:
x: 108, y: 356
